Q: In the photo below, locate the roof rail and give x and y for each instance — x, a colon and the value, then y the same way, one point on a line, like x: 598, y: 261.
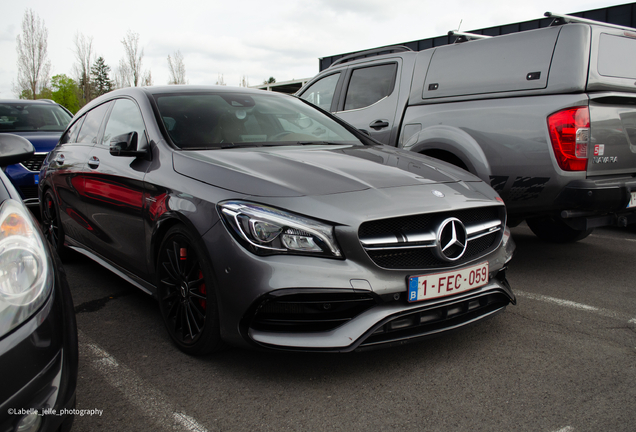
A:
x: 564, y: 19
x: 373, y: 52
x: 465, y: 37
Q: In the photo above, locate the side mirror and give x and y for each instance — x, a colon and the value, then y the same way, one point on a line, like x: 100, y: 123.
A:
x: 14, y: 149
x: 126, y: 145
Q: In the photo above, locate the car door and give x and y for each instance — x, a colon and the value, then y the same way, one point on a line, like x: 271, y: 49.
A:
x: 66, y: 164
x: 114, y: 191
x: 370, y: 100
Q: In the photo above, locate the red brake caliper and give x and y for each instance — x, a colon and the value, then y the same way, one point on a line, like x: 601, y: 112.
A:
x: 202, y: 290
x: 183, y: 255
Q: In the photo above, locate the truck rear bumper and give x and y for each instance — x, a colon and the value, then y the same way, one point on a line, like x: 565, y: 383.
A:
x: 593, y: 203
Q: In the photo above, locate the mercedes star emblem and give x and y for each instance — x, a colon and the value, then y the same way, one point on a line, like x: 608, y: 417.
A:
x: 451, y: 240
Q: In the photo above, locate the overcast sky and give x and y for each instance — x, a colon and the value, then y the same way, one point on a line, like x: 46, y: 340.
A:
x: 256, y: 39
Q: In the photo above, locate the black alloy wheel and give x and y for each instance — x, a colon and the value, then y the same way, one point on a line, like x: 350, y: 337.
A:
x: 187, y: 294
x: 51, y: 225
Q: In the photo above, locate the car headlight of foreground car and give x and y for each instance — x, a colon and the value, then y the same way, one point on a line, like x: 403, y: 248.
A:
x: 266, y: 231
x: 26, y: 272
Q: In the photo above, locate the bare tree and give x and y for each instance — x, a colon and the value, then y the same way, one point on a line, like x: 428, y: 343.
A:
x: 32, y: 50
x: 177, y: 69
x: 82, y: 69
x: 244, y: 81
x: 122, y: 75
x: 147, y: 79
x: 220, y: 81
x: 132, y: 59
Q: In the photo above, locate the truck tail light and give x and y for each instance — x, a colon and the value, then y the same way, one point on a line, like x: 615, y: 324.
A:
x: 570, y: 136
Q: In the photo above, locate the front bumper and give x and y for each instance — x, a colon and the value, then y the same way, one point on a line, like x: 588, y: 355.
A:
x: 247, y: 282
x: 397, y: 322
x: 39, y: 363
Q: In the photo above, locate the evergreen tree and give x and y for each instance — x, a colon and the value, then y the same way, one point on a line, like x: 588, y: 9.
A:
x: 101, y: 81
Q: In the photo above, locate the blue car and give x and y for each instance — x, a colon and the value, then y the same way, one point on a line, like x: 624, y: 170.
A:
x: 41, y: 122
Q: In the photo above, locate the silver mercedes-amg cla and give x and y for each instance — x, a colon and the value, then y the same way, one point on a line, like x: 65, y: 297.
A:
x: 257, y: 219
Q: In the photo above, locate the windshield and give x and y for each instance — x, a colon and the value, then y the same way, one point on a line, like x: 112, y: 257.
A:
x: 25, y: 117
x: 223, y: 120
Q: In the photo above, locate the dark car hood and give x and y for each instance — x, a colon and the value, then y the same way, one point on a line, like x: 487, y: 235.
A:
x: 42, y: 141
x: 313, y: 170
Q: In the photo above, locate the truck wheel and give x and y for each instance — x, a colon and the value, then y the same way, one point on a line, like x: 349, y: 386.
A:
x: 554, y: 230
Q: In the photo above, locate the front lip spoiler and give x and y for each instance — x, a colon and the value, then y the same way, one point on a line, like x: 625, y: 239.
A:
x: 354, y: 334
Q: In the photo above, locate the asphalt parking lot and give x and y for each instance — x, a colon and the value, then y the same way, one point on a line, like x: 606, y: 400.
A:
x: 563, y: 359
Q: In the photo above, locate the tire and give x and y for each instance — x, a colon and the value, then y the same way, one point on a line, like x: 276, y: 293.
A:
x: 51, y: 225
x: 554, y: 230
x: 186, y: 291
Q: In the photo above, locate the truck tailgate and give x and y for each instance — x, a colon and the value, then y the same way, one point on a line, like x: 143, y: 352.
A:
x: 613, y: 135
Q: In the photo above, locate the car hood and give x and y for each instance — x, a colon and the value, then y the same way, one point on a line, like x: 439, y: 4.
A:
x: 42, y: 141
x: 313, y: 170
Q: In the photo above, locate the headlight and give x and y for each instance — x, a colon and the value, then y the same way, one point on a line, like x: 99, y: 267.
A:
x: 266, y: 231
x: 26, y: 271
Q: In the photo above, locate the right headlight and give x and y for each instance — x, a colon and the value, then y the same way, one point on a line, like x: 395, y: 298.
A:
x: 26, y: 270
x: 267, y: 231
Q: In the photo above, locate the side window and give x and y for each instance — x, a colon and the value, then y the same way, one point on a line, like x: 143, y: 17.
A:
x: 73, y: 131
x: 322, y: 91
x: 125, y: 118
x: 90, y: 128
x: 369, y: 85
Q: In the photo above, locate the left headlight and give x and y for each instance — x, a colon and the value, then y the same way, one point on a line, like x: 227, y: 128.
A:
x: 267, y: 231
x: 26, y: 270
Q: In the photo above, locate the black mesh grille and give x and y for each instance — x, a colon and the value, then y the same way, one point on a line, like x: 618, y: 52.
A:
x: 313, y: 312
x: 422, y: 258
x: 29, y: 192
x: 35, y: 163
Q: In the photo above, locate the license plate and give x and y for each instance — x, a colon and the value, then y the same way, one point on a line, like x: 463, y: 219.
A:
x: 632, y: 201
x: 36, y: 178
x: 437, y: 285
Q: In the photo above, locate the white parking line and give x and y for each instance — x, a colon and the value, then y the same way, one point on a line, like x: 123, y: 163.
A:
x: 580, y: 306
x: 566, y: 429
x: 612, y: 238
x: 150, y: 400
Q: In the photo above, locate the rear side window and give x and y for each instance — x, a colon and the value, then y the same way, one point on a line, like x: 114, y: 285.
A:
x: 90, y: 127
x: 322, y: 91
x: 617, y: 56
x: 369, y: 85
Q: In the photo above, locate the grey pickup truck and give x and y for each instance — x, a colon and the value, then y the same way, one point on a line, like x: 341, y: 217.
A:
x: 547, y: 117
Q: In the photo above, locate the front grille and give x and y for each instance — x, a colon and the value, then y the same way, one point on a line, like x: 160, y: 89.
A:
x: 311, y: 312
x: 29, y: 192
x: 410, y: 242
x: 35, y: 163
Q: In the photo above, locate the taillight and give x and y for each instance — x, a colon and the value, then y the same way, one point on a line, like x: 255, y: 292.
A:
x: 570, y: 136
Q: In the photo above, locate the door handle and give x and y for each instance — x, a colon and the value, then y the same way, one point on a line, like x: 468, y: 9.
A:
x: 379, y: 124
x: 93, y: 162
